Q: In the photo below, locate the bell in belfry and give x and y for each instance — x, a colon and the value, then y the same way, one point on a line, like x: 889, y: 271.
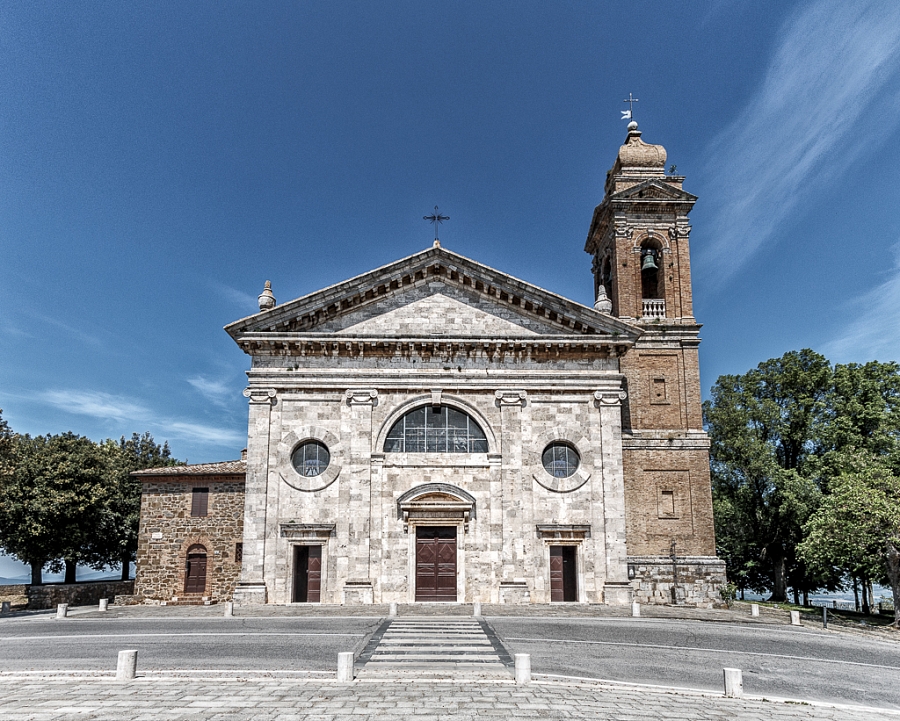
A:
x: 649, y: 263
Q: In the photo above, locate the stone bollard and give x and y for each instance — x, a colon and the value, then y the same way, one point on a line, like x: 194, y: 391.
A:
x: 523, y: 668
x: 734, y: 683
x: 392, y: 610
x: 635, y: 609
x: 476, y: 609
x: 345, y: 666
x: 5, y: 607
x: 229, y: 609
x: 754, y: 609
x: 62, y: 610
x: 126, y: 668
x: 104, y: 604
x: 795, y: 618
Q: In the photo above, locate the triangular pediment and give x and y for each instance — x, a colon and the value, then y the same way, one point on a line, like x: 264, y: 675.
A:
x: 434, y: 293
x: 654, y: 189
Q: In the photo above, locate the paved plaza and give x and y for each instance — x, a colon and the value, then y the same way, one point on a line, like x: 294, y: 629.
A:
x: 270, y: 698
x: 596, y: 663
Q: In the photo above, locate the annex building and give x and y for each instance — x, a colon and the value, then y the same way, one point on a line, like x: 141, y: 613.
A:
x: 437, y: 430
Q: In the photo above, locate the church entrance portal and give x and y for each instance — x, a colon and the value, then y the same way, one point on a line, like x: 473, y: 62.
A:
x: 436, y: 563
x: 563, y: 584
x: 307, y: 574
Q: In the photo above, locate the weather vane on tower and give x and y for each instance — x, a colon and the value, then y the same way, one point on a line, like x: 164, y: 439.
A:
x: 629, y: 114
x: 436, y: 219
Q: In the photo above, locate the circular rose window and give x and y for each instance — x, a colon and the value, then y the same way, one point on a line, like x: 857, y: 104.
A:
x: 560, y: 460
x: 310, y: 459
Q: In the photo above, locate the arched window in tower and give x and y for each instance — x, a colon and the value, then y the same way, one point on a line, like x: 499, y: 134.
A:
x: 606, y: 276
x: 436, y: 429
x: 651, y: 260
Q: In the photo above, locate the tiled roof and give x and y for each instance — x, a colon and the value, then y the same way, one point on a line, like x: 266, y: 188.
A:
x: 223, y: 468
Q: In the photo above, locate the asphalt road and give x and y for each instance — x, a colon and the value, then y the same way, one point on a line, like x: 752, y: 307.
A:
x: 802, y: 663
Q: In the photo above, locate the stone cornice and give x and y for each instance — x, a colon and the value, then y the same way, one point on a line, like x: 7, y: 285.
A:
x: 306, y: 344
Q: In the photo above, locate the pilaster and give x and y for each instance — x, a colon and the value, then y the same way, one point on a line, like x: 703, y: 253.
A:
x: 609, y: 404
x: 252, y: 587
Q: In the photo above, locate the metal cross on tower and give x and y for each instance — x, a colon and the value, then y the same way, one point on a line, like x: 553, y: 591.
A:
x: 436, y: 219
x: 629, y: 114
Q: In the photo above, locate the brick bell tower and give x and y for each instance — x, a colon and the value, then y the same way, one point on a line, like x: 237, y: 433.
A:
x: 638, y: 240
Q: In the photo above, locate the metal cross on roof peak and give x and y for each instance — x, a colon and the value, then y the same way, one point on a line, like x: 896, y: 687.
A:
x: 631, y: 101
x: 436, y: 219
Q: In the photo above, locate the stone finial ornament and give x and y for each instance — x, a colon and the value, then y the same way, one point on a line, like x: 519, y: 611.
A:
x: 638, y: 154
x: 603, y: 303
x: 266, y: 299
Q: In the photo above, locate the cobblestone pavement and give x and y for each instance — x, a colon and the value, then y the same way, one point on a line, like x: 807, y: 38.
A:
x: 272, y: 698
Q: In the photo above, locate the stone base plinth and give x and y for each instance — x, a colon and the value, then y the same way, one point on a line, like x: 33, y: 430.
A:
x: 249, y: 593
x: 358, y: 593
x: 514, y: 592
x: 697, y: 582
x: 617, y: 594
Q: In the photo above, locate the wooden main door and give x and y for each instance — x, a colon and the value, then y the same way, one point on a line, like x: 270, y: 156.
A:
x: 307, y: 574
x: 195, y: 574
x: 563, y: 582
x: 435, y: 563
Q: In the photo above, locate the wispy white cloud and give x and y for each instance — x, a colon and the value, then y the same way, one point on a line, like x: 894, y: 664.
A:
x: 215, y: 391
x: 246, y: 301
x: 120, y: 409
x: 96, y: 404
x: 207, y: 434
x: 873, y: 331
x: 832, y: 63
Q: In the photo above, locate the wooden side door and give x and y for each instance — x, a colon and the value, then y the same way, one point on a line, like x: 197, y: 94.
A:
x: 314, y: 574
x: 195, y: 578
x: 563, y: 578
x: 556, y: 574
x: 435, y: 563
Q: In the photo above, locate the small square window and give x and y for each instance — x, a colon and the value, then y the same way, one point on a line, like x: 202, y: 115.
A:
x: 200, y: 502
x: 666, y: 503
x: 658, y: 392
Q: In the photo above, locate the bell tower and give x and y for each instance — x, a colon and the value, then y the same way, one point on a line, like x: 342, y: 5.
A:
x: 639, y: 238
x: 638, y: 241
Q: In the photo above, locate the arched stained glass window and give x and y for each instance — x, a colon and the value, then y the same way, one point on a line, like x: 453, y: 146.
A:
x: 436, y: 429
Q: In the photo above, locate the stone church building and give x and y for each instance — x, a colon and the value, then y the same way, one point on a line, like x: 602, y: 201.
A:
x: 438, y: 431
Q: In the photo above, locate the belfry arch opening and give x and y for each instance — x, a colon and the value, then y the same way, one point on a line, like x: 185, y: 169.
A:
x: 651, y: 265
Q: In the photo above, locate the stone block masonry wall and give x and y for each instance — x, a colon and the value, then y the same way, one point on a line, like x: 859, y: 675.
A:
x: 75, y: 594
x: 168, y: 530
x: 698, y: 584
x: 16, y: 594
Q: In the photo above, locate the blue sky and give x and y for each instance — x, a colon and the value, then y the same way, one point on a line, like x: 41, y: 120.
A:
x: 160, y: 161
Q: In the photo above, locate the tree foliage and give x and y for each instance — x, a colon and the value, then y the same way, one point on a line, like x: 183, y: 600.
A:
x: 857, y: 527
x: 787, y: 439
x: 65, y: 500
x: 51, y: 502
x: 763, y: 427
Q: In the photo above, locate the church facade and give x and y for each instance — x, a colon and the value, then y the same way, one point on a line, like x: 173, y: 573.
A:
x: 438, y: 431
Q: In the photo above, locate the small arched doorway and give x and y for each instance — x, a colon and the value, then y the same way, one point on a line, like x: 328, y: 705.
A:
x: 195, y: 572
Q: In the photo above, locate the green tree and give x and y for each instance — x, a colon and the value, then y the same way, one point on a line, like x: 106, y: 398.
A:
x: 764, y: 426
x: 51, y: 501
x: 115, y: 542
x: 857, y: 527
